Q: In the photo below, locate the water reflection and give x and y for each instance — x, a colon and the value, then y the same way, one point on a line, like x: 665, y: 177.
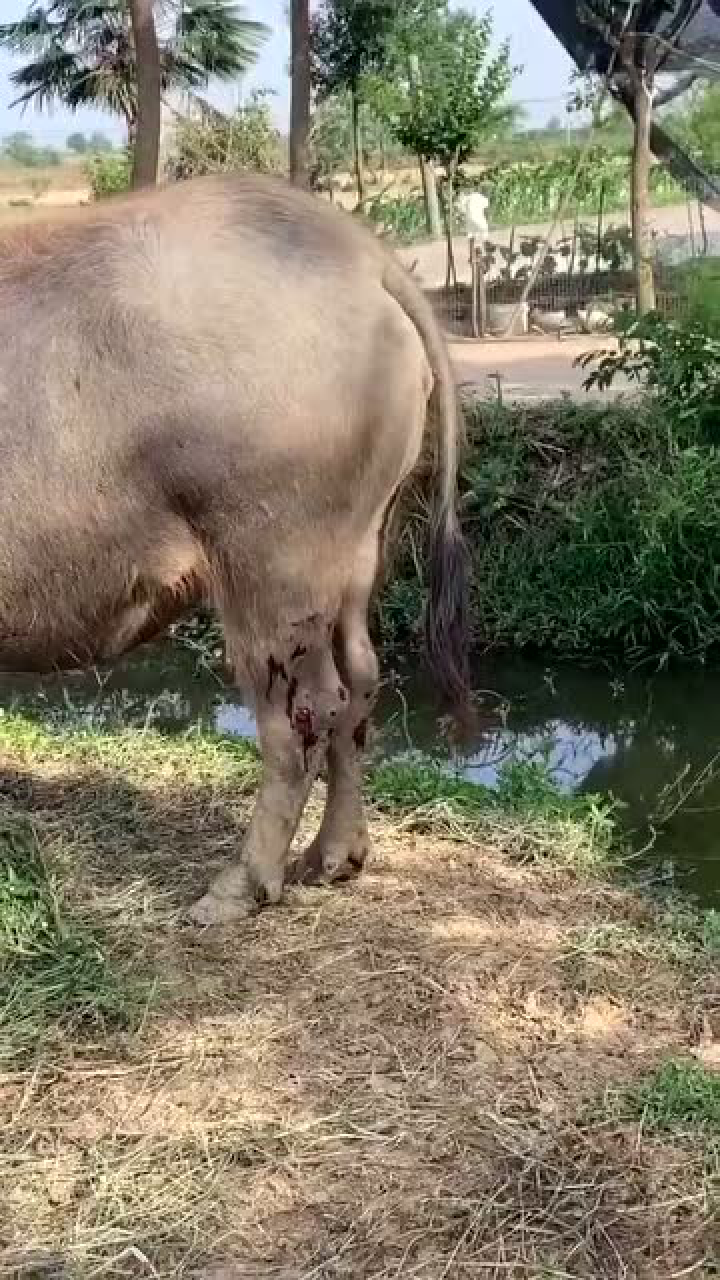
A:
x: 651, y: 740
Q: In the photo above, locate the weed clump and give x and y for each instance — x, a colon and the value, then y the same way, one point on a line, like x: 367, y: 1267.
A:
x: 54, y: 971
x: 681, y: 1097
x: 526, y: 814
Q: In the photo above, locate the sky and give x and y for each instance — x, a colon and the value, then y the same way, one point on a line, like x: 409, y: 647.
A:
x: 541, y: 83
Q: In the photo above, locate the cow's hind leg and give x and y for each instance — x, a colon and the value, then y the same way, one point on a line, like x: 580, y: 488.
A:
x: 298, y: 701
x: 342, y: 844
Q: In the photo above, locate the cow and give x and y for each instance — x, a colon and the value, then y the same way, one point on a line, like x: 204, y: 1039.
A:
x: 213, y: 393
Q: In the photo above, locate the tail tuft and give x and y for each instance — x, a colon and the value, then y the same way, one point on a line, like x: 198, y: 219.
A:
x: 446, y: 617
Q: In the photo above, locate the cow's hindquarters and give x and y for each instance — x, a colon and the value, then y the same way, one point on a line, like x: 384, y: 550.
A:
x: 314, y: 683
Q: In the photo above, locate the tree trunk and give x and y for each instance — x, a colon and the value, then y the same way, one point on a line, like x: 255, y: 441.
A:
x: 300, y: 97
x: 430, y: 196
x: 427, y: 172
x: 449, y: 206
x: 357, y: 145
x: 677, y: 162
x: 147, y: 63
x: 641, y: 167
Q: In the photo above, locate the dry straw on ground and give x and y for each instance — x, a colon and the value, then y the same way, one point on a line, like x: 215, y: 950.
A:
x: 409, y: 1076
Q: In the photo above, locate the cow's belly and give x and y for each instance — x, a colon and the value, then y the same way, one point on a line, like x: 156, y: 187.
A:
x: 73, y: 616
x: 54, y: 648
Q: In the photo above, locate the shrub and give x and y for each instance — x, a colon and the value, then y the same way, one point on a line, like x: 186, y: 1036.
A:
x: 678, y: 361
x: 593, y: 529
x: 109, y: 173
x: 216, y: 143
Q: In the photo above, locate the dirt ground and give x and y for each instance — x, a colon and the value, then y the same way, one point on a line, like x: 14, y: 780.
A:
x: 420, y: 1074
x: 531, y: 368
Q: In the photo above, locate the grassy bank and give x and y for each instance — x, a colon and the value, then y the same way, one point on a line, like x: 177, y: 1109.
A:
x: 594, y: 530
x: 483, y: 1057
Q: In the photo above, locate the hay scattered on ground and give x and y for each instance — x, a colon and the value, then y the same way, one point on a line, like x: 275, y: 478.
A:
x: 425, y: 1073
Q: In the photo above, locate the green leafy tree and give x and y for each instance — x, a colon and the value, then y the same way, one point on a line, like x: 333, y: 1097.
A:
x: 444, y: 87
x: 444, y: 90
x: 99, y: 142
x: 77, y: 142
x: 699, y: 125
x: 21, y: 149
x: 80, y: 53
x: 331, y: 140
x: 349, y: 40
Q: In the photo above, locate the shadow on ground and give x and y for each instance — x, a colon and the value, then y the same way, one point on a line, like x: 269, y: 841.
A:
x: 412, y: 1075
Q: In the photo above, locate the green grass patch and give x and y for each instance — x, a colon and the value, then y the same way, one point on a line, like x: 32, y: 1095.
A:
x: 527, y: 812
x: 54, y: 971
x: 103, y: 805
x: 680, y: 1098
x: 147, y: 751
x: 678, y: 932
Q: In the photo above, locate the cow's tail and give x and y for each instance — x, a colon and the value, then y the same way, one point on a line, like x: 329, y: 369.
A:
x: 446, y: 617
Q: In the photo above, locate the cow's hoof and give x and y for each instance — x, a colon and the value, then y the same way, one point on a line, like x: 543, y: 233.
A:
x: 327, y: 865
x: 237, y: 894
x: 212, y: 909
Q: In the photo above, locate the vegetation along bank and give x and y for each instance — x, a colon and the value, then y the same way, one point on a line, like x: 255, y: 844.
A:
x: 594, y: 527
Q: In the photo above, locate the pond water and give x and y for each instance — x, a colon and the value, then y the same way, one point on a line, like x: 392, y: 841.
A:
x: 650, y: 739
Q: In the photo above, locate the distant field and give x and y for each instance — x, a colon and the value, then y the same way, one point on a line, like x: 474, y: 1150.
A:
x: 28, y: 193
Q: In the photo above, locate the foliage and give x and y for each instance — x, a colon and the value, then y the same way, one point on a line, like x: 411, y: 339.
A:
x: 331, y: 142
x: 698, y: 125
x: 81, y: 144
x: 704, y: 127
x: 77, y: 142
x: 698, y: 285
x: 400, y: 217
x: 681, y: 1097
x: 22, y: 150
x: 348, y: 42
x: 528, y: 190
x: 677, y: 360
x: 215, y: 143
x: 594, y: 529
x: 541, y: 822
x: 109, y: 173
x: 82, y: 55
x: 454, y: 100
x: 610, y: 20
x: 52, y: 969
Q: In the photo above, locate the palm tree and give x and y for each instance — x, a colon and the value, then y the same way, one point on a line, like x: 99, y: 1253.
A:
x: 81, y: 53
x: 146, y: 152
x: 300, y: 99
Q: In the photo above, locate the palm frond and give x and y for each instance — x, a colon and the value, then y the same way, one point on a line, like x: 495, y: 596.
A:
x: 80, y: 52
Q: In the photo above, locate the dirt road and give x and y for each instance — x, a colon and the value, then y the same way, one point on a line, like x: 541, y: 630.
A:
x: 532, y: 368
